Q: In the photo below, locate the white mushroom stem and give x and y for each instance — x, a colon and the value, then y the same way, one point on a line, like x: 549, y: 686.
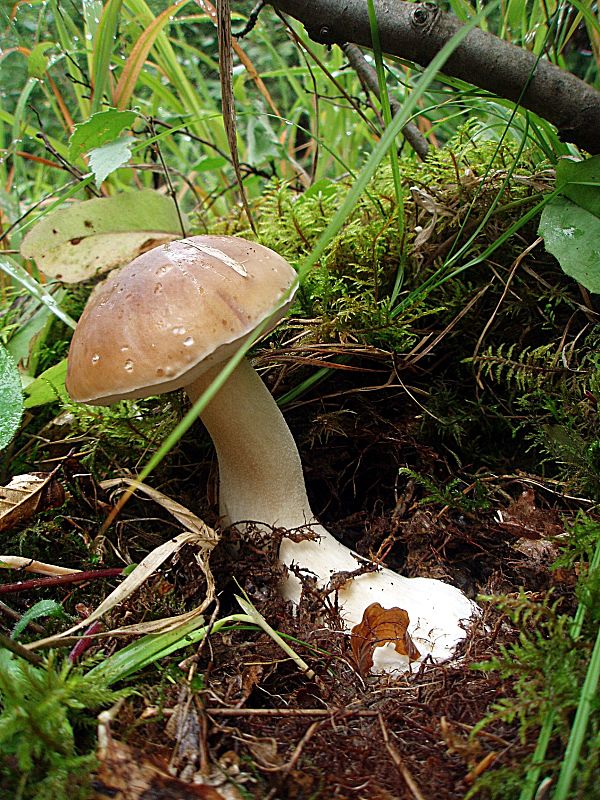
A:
x: 261, y: 480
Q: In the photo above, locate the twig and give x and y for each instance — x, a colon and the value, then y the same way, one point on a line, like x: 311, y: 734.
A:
x: 84, y: 643
x: 368, y: 77
x: 12, y: 614
x: 418, y: 31
x: 287, y: 768
x: 61, y: 580
x: 19, y: 650
x: 396, y: 758
x: 289, y: 712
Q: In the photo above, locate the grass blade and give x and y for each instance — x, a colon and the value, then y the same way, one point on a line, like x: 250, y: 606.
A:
x: 35, y: 289
x: 576, y: 739
x: 107, y: 36
x: 137, y: 59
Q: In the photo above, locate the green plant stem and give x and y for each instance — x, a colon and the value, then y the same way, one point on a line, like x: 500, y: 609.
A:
x: 533, y: 775
x: 587, y: 696
x: 387, y: 118
x: 581, y: 717
x: 257, y: 618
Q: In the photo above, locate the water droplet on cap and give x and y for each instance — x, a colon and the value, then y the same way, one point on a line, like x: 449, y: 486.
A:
x: 129, y: 365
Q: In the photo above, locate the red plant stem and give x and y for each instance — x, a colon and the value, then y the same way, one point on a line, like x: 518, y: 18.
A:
x: 60, y: 580
x: 85, y: 642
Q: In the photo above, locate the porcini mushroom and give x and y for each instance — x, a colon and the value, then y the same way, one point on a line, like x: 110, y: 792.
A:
x: 169, y: 319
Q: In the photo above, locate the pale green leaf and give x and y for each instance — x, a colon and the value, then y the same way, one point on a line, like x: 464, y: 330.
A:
x: 48, y: 387
x: 37, y: 60
x: 262, y: 143
x: 572, y: 235
x: 11, y: 398
x: 109, y: 157
x: 210, y: 163
x: 84, y: 239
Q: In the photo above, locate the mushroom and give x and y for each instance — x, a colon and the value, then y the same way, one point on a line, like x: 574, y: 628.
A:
x: 169, y: 319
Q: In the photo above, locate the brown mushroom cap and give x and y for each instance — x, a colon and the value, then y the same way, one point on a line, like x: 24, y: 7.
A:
x: 172, y: 313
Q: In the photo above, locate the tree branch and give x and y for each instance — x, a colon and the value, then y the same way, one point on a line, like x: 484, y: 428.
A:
x: 368, y: 77
x: 417, y: 31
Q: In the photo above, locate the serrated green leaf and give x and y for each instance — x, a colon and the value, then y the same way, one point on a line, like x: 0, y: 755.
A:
x: 580, y: 182
x: 49, y: 387
x: 572, y: 235
x: 11, y: 398
x: 100, y: 129
x: 109, y: 157
x: 43, y: 608
x: 37, y: 61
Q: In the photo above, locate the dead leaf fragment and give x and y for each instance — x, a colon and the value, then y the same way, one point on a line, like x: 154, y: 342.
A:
x: 26, y: 495
x: 525, y: 520
x: 126, y: 774
x: 378, y: 627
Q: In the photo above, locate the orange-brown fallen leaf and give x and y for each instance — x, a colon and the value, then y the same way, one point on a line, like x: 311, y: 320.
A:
x: 380, y: 626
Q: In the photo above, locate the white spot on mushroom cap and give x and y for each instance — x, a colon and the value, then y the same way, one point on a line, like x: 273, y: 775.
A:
x: 220, y: 255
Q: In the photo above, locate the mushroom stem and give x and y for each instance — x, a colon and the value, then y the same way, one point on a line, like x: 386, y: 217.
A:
x: 260, y: 472
x: 261, y: 481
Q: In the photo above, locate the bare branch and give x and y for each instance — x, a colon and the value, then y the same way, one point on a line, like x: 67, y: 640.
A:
x: 368, y: 76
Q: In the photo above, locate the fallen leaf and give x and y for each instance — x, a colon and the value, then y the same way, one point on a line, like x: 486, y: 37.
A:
x: 82, y: 240
x: 524, y: 520
x: 431, y: 206
x: 126, y: 774
x: 380, y: 626
x: 27, y: 495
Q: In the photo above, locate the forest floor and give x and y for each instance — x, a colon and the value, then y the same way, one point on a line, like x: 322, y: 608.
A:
x: 235, y: 715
